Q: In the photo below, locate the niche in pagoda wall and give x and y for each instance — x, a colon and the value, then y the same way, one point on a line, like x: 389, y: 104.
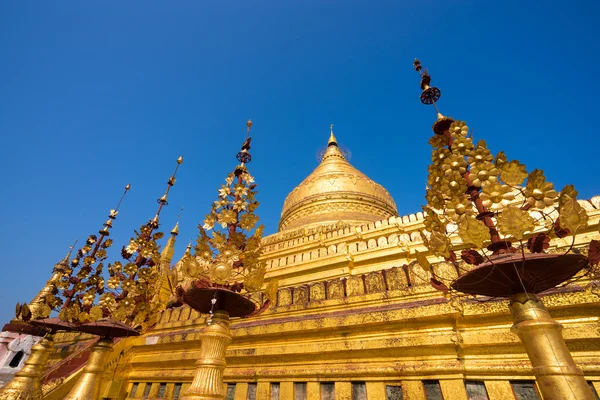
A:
x: 14, y: 351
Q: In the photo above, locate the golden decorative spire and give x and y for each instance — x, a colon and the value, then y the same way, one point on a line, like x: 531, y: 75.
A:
x: 336, y: 191
x: 232, y: 254
x: 183, y: 275
x: 175, y: 230
x: 145, y: 266
x: 166, y: 280
x: 163, y: 200
x: 167, y: 254
x: 36, y: 306
x: 332, y: 139
x: 81, y: 280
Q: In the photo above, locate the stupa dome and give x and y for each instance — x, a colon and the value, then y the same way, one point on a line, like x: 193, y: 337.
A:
x: 336, y: 191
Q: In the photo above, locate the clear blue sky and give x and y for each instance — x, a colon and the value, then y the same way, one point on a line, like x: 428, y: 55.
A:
x: 95, y: 95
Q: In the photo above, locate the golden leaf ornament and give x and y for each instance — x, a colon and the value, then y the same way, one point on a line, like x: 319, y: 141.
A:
x: 473, y: 231
x: 515, y: 222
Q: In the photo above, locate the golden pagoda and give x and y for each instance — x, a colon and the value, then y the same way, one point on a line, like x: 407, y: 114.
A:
x: 355, y: 316
x: 335, y: 191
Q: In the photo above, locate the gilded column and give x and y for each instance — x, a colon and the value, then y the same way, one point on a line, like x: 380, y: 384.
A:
x: 26, y: 384
x: 208, y: 380
x: 88, y: 385
x: 557, y: 375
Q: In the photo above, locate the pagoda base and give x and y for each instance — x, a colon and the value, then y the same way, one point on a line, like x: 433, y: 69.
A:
x: 208, y: 379
x: 557, y: 375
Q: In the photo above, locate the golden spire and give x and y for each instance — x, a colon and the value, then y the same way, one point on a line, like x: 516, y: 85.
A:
x: 167, y: 254
x: 332, y: 139
x: 429, y: 96
x: 165, y: 282
x: 163, y: 200
x: 143, y: 253
x: 175, y: 230
x: 36, y: 305
x: 335, y: 191
x: 82, y: 279
x: 333, y: 150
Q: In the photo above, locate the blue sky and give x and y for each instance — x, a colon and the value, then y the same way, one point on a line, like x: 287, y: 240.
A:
x: 95, y: 95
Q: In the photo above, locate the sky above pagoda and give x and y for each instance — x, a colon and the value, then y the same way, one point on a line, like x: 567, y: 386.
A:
x: 95, y: 95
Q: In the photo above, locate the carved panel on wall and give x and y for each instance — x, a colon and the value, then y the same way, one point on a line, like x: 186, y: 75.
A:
x: 352, y: 248
x: 175, y: 314
x: 396, y: 278
x: 257, y: 297
x: 355, y: 285
x: 335, y: 289
x: 445, y: 271
x: 317, y: 291
x: 284, y: 297
x: 185, y: 313
x: 404, y: 238
x: 374, y: 282
x: 418, y: 276
x: 372, y: 244
x: 362, y: 246
x: 166, y: 315
x: 300, y: 295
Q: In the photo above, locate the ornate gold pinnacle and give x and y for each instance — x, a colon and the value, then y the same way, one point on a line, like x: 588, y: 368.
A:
x: 472, y: 190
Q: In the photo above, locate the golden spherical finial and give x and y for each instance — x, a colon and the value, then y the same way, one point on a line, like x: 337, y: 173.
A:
x: 180, y: 160
x: 128, y: 187
x: 249, y: 124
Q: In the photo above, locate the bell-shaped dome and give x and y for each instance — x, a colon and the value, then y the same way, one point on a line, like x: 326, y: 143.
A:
x: 336, y: 191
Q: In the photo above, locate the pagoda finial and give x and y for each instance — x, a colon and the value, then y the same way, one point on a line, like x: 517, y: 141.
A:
x: 429, y: 96
x: 167, y: 254
x: 243, y: 155
x: 175, y: 230
x: 332, y: 140
x: 113, y: 215
x: 163, y: 201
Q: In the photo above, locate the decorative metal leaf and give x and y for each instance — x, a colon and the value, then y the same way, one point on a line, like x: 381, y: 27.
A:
x: 471, y: 256
x: 594, y: 252
x: 538, y: 243
x: 25, y: 312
